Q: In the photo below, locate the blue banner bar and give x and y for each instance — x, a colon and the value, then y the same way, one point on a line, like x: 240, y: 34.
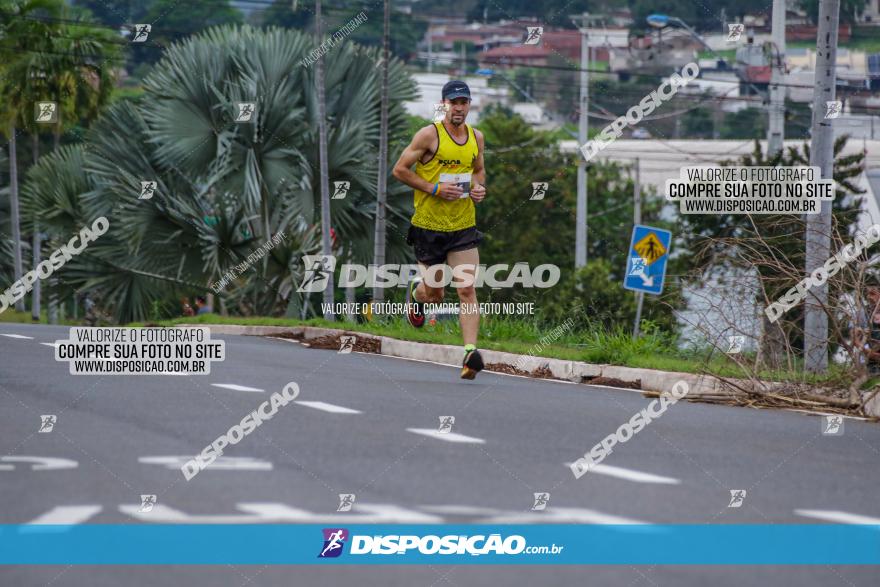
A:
x: 389, y: 544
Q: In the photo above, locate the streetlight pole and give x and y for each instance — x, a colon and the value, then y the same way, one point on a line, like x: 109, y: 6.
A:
x: 326, y: 247
x: 637, y: 219
x: 776, y: 126
x: 382, y: 195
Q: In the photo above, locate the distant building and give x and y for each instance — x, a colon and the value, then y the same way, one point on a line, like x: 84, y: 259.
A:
x: 482, y: 37
x: 658, y: 53
x: 724, y: 84
x: 513, y: 55
x: 565, y: 43
x: 751, y: 63
x: 535, y: 115
x: 847, y: 61
x: 857, y: 126
x: 852, y: 69
x: 871, y: 15
x: 809, y: 32
x: 430, y: 85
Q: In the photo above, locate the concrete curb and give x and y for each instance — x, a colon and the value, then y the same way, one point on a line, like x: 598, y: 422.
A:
x: 575, y: 371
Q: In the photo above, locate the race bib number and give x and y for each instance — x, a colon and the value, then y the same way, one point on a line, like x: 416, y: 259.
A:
x: 463, y: 180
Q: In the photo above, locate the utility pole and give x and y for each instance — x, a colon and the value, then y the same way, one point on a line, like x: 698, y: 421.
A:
x: 382, y: 196
x: 326, y: 247
x: 637, y: 219
x: 776, y: 126
x: 463, y: 59
x: 35, y: 297
x: 14, y: 213
x: 818, y: 235
x: 580, y: 234
x: 430, y: 49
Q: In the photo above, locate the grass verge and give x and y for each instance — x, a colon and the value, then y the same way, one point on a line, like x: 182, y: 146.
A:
x: 653, y: 350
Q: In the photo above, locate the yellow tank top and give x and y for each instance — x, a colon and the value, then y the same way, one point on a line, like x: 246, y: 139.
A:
x: 435, y: 213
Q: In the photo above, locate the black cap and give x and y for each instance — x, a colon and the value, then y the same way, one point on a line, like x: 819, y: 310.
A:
x: 456, y: 89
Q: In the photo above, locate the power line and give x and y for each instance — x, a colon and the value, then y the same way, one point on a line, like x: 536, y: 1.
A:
x: 549, y: 91
x: 507, y: 60
x: 577, y: 69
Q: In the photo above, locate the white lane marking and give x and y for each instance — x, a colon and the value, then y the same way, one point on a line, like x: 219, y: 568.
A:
x: 17, y: 336
x: 325, y: 407
x: 40, y: 463
x: 67, y: 514
x: 268, y: 513
x: 380, y: 513
x: 630, y: 474
x: 837, y: 516
x: 459, y: 510
x: 362, y: 513
x: 235, y: 387
x: 51, y: 344
x: 220, y: 463
x: 276, y: 512
x: 558, y: 515
x: 447, y: 436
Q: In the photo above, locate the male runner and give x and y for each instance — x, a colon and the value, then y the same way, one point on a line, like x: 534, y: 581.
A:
x: 448, y: 179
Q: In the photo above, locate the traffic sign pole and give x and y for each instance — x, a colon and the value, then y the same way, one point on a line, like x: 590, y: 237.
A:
x: 640, y: 299
x: 637, y: 219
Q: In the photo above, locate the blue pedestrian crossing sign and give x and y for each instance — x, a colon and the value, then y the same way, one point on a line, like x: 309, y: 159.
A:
x: 646, y: 264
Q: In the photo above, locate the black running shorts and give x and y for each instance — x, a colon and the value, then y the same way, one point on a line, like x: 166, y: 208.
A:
x: 431, y: 246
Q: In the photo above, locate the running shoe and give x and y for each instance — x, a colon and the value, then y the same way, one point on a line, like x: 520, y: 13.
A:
x: 415, y: 315
x: 472, y: 364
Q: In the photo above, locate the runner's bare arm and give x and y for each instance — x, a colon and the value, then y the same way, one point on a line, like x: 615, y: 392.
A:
x: 421, y: 144
x: 478, y: 191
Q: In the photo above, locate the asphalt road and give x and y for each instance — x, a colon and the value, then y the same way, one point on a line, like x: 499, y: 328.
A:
x: 366, y: 425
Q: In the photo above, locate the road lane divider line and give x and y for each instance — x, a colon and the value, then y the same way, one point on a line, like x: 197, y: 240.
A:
x: 630, y: 474
x: 280, y: 513
x: 838, y: 516
x: 559, y: 515
x: 236, y: 387
x: 67, y: 514
x: 325, y: 407
x: 174, y: 463
x: 446, y: 436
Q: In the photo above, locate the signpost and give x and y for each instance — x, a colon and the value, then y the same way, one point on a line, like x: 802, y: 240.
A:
x: 646, y: 263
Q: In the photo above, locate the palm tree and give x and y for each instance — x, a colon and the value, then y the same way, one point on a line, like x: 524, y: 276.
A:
x: 251, y: 180
x: 79, y: 75
x: 80, y: 72
x: 276, y: 159
x: 23, y: 36
x: 69, y: 64
x: 77, y: 72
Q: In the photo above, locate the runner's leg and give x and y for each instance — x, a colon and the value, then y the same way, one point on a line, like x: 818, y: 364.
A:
x: 425, y: 293
x: 469, y: 317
